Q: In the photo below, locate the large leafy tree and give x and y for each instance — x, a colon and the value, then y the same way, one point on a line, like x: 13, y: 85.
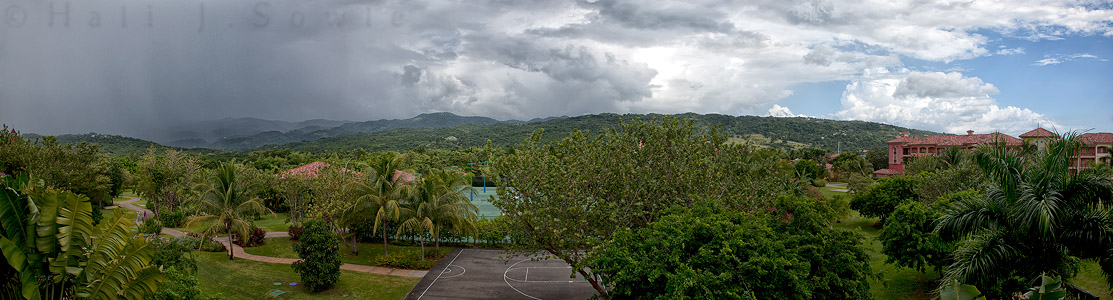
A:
x: 53, y: 250
x: 908, y: 239
x: 437, y: 204
x: 319, y: 251
x: 227, y: 203
x: 165, y: 178
x: 571, y: 196
x: 1037, y: 216
x: 379, y: 195
x: 879, y: 200
x: 709, y: 252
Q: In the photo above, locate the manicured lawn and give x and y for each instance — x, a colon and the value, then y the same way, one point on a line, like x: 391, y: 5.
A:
x: 368, y: 252
x: 276, y: 222
x: 244, y: 279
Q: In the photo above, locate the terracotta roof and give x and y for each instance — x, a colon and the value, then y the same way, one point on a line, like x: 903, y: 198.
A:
x: 1038, y: 132
x: 1096, y: 138
x: 311, y: 169
x: 403, y: 176
x: 886, y: 172
x: 958, y: 140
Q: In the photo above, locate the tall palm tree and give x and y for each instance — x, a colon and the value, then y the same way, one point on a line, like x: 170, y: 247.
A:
x: 1036, y: 217
x: 379, y: 194
x: 436, y: 204
x: 227, y: 203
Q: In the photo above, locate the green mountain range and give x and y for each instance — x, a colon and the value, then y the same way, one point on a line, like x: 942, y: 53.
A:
x: 447, y: 130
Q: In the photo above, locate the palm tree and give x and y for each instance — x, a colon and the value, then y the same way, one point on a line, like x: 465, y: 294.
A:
x: 379, y: 194
x: 1035, y: 217
x: 436, y: 204
x: 227, y: 204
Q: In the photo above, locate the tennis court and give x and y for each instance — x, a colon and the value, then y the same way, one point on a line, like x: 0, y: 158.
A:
x: 481, y: 201
x: 487, y: 274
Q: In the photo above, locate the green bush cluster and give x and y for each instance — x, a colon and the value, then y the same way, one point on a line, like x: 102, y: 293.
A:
x: 819, y: 183
x: 406, y: 260
x: 208, y: 245
x: 174, y: 219
x: 150, y: 226
x: 319, y: 251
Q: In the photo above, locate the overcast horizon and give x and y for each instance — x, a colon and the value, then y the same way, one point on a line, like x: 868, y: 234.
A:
x: 141, y: 67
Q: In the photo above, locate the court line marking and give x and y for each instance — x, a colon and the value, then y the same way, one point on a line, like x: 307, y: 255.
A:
x: 442, y: 273
x: 504, y: 279
x: 462, y: 271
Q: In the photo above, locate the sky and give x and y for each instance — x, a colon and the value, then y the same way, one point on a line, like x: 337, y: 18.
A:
x: 141, y: 67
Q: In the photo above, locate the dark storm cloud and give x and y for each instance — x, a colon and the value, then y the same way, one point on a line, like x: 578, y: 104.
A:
x: 143, y: 67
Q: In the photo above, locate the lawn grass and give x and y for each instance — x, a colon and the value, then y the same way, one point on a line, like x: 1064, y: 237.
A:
x: 244, y: 279
x: 272, y: 223
x: 368, y: 252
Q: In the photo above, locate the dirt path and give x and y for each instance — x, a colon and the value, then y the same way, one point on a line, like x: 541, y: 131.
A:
x: 239, y: 253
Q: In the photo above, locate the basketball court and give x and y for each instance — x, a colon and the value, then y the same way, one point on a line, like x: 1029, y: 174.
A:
x: 486, y: 274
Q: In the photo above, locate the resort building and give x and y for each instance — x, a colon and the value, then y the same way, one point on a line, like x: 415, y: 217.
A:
x: 1097, y: 147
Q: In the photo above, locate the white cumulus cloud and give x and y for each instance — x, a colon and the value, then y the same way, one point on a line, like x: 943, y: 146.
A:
x: 946, y: 102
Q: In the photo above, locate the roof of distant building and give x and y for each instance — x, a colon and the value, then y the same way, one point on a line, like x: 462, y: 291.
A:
x: 311, y: 169
x: 1096, y: 138
x: 887, y: 172
x: 958, y: 140
x: 1038, y: 132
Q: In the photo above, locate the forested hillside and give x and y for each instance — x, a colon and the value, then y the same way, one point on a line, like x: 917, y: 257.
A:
x: 780, y: 132
x: 114, y: 144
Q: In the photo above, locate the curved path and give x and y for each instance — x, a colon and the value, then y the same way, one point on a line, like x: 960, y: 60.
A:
x: 277, y: 260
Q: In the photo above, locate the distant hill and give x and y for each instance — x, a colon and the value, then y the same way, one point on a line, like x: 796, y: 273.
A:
x: 113, y: 144
x: 766, y: 131
x: 450, y: 131
x: 275, y: 137
x: 212, y: 133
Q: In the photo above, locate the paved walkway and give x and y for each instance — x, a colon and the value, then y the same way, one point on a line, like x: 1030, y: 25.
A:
x: 238, y: 251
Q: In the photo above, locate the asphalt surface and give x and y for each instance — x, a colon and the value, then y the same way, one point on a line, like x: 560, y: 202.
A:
x: 488, y: 274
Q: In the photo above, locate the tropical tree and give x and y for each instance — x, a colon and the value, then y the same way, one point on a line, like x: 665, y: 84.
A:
x: 379, y: 195
x: 568, y: 198
x: 54, y: 251
x: 436, y: 204
x: 227, y: 204
x: 163, y: 178
x: 1037, y: 216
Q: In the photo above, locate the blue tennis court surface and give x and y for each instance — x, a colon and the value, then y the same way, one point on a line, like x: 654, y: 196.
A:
x: 482, y: 202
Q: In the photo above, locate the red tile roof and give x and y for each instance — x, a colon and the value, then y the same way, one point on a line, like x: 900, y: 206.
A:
x: 958, y: 140
x: 887, y: 172
x: 1096, y: 138
x: 1038, y: 132
x: 311, y: 169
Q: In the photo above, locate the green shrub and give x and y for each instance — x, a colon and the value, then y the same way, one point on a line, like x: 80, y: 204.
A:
x: 173, y: 220
x: 178, y: 285
x: 150, y: 226
x: 819, y: 183
x: 319, y: 251
x: 175, y: 257
x: 406, y: 260
x: 175, y: 252
x: 208, y: 245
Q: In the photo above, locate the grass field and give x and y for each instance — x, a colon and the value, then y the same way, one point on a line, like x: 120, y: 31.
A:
x: 368, y: 252
x: 244, y: 279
